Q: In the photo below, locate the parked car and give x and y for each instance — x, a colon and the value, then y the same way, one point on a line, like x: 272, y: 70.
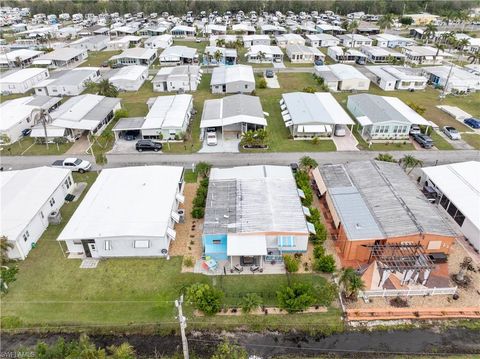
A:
x: 424, y: 140
x: 340, y: 130
x: 74, y: 164
x: 472, y: 122
x: 211, y: 139
x: 131, y: 135
x: 211, y: 129
x: 148, y: 145
x: 117, y: 65
x: 319, y: 63
x: 26, y: 132
x: 451, y: 132
x: 269, y: 74
x: 415, y: 130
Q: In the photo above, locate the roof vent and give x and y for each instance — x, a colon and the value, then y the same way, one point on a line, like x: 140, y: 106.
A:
x: 358, y: 226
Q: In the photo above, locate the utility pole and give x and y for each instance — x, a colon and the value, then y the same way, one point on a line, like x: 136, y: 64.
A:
x: 443, y: 94
x: 183, y: 324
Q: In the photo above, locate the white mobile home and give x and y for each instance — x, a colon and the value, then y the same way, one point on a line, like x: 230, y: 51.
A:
x: 341, y: 77
x: 424, y: 55
x: 250, y: 40
x: 135, y: 56
x: 392, y: 40
x: 339, y: 54
x: 21, y: 81
x: 183, y: 31
x: 391, y: 78
x: 123, y: 43
x: 128, y: 78
x: 233, y: 79
x: 159, y: 42
x: 354, y: 40
x: 91, y: 43
x: 179, y: 78
x: 309, y: 115
x: 382, y: 55
x: 19, y: 58
x: 168, y: 117
x: 304, y: 54
x: 322, y: 40
x: 106, y: 225
x: 289, y: 39
x: 179, y: 55
x: 62, y: 57
x: 264, y: 54
x: 383, y: 118
x: 30, y: 199
x: 19, y: 114
x: 68, y: 82
x: 455, y: 78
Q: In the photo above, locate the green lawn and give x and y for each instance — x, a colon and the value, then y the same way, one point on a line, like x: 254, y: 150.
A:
x: 27, y: 146
x: 440, y: 142
x: 429, y: 99
x: 97, y: 58
x: 200, y: 46
x: 472, y: 139
x: 4, y: 98
x: 52, y: 290
x: 136, y: 102
x: 279, y: 140
x: 190, y: 176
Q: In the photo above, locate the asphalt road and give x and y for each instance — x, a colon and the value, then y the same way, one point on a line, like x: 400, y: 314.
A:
x: 241, y: 159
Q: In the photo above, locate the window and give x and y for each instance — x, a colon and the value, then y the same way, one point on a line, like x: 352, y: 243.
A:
x: 246, y: 86
x: 67, y: 184
x: 141, y: 244
x: 52, y: 201
x: 42, y: 215
x: 77, y: 242
x: 216, y: 241
x: 286, y: 241
x: 26, y: 235
x: 459, y: 218
x: 108, y: 245
x: 444, y: 202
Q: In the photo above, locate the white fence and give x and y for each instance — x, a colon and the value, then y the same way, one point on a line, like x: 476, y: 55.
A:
x: 407, y: 292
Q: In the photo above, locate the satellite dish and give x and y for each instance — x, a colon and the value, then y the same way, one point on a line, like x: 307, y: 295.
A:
x: 164, y: 251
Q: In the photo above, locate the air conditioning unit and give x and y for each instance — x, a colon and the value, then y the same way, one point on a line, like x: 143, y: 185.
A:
x: 181, y: 215
x: 54, y: 217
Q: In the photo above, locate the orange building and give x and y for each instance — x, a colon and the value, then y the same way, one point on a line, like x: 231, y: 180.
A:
x: 376, y: 203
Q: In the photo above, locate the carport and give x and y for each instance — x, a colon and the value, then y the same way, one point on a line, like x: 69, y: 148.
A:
x: 127, y: 124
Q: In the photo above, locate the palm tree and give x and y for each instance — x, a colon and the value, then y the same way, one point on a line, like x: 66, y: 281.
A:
x: 352, y: 27
x: 217, y: 56
x: 103, y: 88
x: 5, y: 247
x: 261, y: 56
x: 430, y: 31
x: 409, y: 161
x: 474, y: 58
x: 386, y: 21
x: 308, y: 163
x: 221, y: 42
x: 42, y: 116
x: 351, y: 282
x: 439, y: 47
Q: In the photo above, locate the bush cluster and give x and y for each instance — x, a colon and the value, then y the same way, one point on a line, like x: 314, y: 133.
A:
x: 200, y: 199
x: 303, y: 182
x: 323, y: 262
x: 291, y: 263
x: 205, y: 298
x: 316, y: 220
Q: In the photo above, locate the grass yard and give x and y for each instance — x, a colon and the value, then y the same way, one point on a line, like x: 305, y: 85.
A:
x: 27, y: 146
x: 4, y: 98
x: 200, y: 46
x: 473, y: 139
x: 190, y: 176
x: 429, y: 99
x: 440, y: 142
x: 136, y: 102
x: 97, y: 58
x: 52, y: 290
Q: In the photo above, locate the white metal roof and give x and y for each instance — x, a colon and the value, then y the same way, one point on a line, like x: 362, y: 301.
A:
x: 14, y: 111
x: 23, y: 193
x: 347, y: 72
x: 228, y: 74
x: 460, y: 182
x: 135, y: 53
x: 61, y: 54
x: 131, y: 73
x: 317, y: 108
x: 128, y: 201
x: 168, y: 112
x: 246, y: 245
x: 23, y: 54
x: 22, y: 75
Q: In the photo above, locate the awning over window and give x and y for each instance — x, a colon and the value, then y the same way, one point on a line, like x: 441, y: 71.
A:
x: 246, y: 245
x: 311, y: 228
x: 301, y: 193
x: 286, y: 241
x: 180, y: 197
x: 286, y: 118
x: 175, y: 217
x: 171, y: 233
x: 306, y: 211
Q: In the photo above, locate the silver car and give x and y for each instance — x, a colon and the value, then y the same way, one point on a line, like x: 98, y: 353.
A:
x: 451, y: 132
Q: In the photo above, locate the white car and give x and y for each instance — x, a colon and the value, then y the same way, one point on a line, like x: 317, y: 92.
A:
x: 451, y: 132
x: 211, y: 139
x: 340, y: 130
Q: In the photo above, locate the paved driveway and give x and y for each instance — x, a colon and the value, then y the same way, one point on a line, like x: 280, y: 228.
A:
x: 457, y: 144
x: 346, y: 143
x: 279, y: 65
x: 225, y: 145
x: 272, y: 82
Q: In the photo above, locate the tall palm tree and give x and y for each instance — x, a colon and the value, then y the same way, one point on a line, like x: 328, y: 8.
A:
x: 439, y: 47
x: 430, y: 31
x: 408, y: 161
x: 386, y: 21
x: 261, y: 56
x: 217, y: 56
x: 103, y: 88
x: 352, y: 28
x: 42, y: 116
x: 5, y: 247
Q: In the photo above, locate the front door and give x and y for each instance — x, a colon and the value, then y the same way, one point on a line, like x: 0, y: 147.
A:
x: 89, y: 248
x: 93, y: 250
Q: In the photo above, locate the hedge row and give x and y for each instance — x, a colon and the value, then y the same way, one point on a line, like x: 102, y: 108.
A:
x: 200, y: 199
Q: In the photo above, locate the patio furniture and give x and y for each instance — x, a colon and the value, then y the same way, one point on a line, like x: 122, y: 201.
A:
x: 211, y: 264
x: 256, y: 268
x: 236, y: 268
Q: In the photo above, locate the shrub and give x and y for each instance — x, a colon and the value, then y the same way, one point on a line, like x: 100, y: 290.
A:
x: 250, y: 302
x: 203, y: 168
x: 291, y: 263
x: 188, y: 262
x: 296, y: 297
x: 303, y: 182
x: 309, y: 89
x: 399, y: 302
x: 227, y: 350
x: 205, y: 298
x: 318, y: 252
x: 325, y: 264
x: 326, y: 294
x: 385, y: 157
x: 198, y: 212
x: 262, y: 83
